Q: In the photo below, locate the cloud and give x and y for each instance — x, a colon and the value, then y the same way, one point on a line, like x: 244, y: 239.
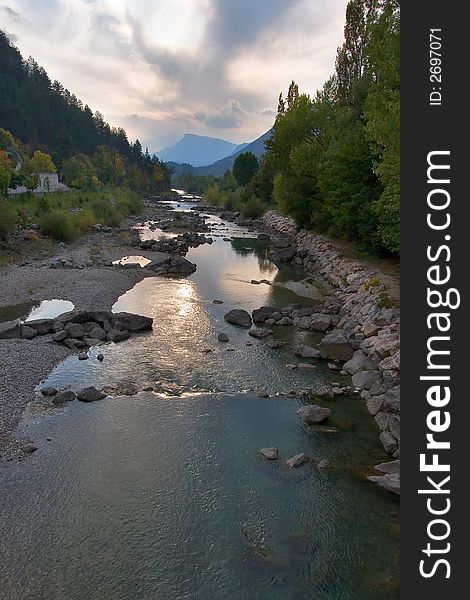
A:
x: 11, y: 14
x: 162, y: 69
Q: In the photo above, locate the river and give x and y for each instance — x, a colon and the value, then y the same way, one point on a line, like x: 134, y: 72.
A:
x: 165, y: 496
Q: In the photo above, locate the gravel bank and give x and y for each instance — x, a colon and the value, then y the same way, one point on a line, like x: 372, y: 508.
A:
x: 23, y: 364
x: 91, y: 288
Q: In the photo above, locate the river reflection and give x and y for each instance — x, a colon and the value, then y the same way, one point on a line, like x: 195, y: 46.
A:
x: 146, y: 496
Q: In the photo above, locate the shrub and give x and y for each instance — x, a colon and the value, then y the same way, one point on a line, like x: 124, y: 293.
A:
x: 253, y: 209
x: 58, y: 225
x: 372, y: 282
x: 129, y: 203
x: 8, y: 220
x: 84, y: 220
x: 106, y: 213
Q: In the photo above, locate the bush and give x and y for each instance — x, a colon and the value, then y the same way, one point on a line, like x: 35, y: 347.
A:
x: 58, y: 225
x: 106, y: 213
x: 84, y: 220
x: 129, y: 203
x: 253, y: 209
x: 8, y: 220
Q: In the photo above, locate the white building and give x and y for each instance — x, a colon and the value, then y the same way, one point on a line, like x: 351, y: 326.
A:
x: 48, y: 184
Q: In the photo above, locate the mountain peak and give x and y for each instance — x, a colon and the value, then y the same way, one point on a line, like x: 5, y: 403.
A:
x: 197, y: 150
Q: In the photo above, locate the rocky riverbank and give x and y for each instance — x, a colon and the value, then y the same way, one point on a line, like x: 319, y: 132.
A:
x: 363, y: 337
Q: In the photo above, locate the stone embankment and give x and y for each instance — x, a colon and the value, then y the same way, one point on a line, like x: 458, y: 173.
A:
x: 364, y: 336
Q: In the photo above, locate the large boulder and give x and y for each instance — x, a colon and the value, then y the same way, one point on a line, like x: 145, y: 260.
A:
x: 9, y: 330
x: 389, y: 481
x: 75, y: 330
x: 388, y: 402
x: 364, y: 380
x: 320, y: 322
x: 260, y: 315
x: 238, y: 316
x: 129, y: 322
x: 336, y: 347
x: 90, y: 394
x: 41, y: 326
x: 312, y: 413
x: 283, y: 254
x: 359, y: 362
x: 117, y: 335
x: 306, y: 352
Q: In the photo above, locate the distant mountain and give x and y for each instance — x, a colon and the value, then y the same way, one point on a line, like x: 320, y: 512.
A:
x: 219, y: 167
x: 198, y: 150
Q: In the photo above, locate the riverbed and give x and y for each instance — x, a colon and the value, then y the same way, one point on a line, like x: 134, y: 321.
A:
x: 164, y: 494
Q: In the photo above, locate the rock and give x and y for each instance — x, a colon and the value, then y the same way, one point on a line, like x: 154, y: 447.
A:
x: 285, y: 321
x: 91, y: 342
x: 63, y: 397
x: 283, y: 255
x: 263, y: 236
x: 306, y: 352
x: 48, y: 391
x: 75, y: 330
x: 73, y: 344
x: 262, y: 394
x: 274, y: 344
x: 90, y: 394
x: 359, y: 362
x: 28, y: 333
x: 131, y: 322
x: 306, y: 366
x: 10, y: 330
x: 255, y: 282
x: 390, y: 481
x: 260, y: 315
x: 389, y: 467
x: 297, y: 460
x: 324, y: 464
x: 388, y: 442
x: 83, y: 356
x: 364, y: 380
x: 97, y: 333
x: 60, y: 336
x: 41, y: 326
x: 117, y: 335
x: 320, y: 322
x: 333, y: 366
x: 238, y: 317
x: 388, y: 402
x: 336, y: 346
x: 312, y: 413
x: 217, y: 301
x: 390, y: 362
x: 223, y: 337
x: 100, y: 357
x: 29, y: 448
x: 269, y: 453
x: 260, y: 333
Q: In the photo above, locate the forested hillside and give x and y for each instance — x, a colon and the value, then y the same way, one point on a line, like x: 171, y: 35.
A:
x: 43, y: 115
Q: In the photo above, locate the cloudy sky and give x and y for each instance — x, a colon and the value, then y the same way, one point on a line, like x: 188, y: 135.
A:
x: 162, y: 68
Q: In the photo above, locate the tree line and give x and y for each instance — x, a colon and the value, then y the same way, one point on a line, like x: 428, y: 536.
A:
x: 38, y: 115
x: 333, y: 159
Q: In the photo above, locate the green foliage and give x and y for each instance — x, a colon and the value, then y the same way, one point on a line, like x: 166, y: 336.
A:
x: 8, y: 220
x: 244, y: 168
x: 41, y: 163
x: 253, y: 209
x: 5, y: 171
x: 335, y: 158
x: 58, y: 225
x: 106, y: 212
